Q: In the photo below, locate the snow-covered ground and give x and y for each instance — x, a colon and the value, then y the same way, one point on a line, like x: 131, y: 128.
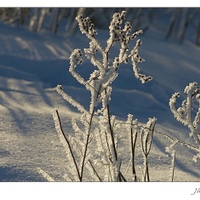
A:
x: 33, y: 64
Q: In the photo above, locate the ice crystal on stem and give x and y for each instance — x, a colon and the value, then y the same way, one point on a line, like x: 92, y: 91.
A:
x: 172, y: 152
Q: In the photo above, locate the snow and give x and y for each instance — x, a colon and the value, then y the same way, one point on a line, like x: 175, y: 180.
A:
x: 33, y: 64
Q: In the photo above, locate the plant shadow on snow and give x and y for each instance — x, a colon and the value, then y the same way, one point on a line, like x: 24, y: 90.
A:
x: 127, y: 95
x: 12, y: 174
x: 32, y: 88
x: 48, y: 72
x: 182, y: 166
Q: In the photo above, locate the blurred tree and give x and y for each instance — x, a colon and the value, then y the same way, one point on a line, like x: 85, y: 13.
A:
x: 175, y: 22
x: 33, y: 23
x: 43, y: 13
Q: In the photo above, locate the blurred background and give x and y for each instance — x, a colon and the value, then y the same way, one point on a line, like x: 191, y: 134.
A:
x: 176, y: 23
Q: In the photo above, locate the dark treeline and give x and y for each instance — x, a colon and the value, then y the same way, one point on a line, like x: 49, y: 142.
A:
x: 177, y: 23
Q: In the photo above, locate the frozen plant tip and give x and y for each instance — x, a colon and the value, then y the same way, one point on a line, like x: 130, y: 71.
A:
x: 99, y: 82
x: 119, y: 32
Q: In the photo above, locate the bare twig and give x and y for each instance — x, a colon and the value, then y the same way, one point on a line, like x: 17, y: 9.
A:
x: 86, y: 145
x: 94, y: 170
x: 63, y: 138
x: 133, y: 145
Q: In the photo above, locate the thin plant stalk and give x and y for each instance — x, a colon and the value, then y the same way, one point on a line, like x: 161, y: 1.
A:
x: 133, y: 145
x: 94, y: 170
x: 146, y: 150
x: 120, y: 175
x: 86, y: 145
x: 62, y: 134
x: 111, y: 132
x: 173, y: 166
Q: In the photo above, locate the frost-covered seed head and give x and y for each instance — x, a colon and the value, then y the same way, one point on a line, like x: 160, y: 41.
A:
x: 59, y: 87
x: 116, y: 16
x: 176, y: 95
x: 85, y: 25
x: 127, y: 27
x: 139, y: 42
x: 116, y: 62
x: 180, y: 111
x: 198, y: 97
x: 134, y: 35
x: 76, y: 57
x: 188, y: 89
x: 123, y: 14
x: 126, y: 61
x: 140, y: 60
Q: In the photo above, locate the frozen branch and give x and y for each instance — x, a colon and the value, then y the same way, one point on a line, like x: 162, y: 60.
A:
x: 70, y: 100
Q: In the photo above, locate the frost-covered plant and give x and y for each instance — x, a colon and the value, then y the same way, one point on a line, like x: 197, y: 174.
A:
x: 172, y: 152
x: 146, y: 132
x: 187, y: 113
x: 97, y: 127
x: 146, y: 141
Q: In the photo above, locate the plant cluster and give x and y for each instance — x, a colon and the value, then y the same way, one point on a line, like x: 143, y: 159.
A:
x: 95, y: 151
